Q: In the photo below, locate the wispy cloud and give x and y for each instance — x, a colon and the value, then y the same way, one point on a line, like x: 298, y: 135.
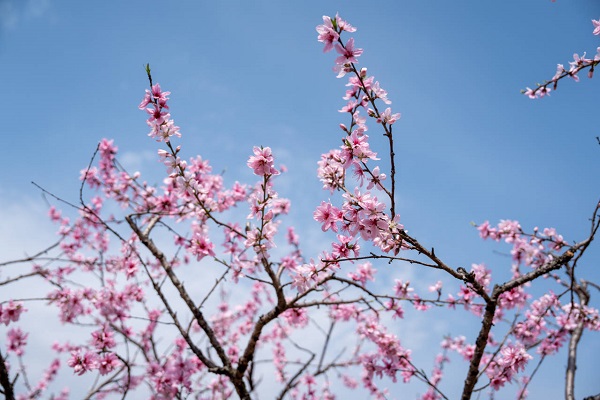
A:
x: 135, y: 160
x: 14, y: 12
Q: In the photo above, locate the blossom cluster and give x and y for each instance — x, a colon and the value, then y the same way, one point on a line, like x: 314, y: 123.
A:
x: 362, y: 214
x: 578, y: 64
x: 531, y: 250
x: 161, y: 125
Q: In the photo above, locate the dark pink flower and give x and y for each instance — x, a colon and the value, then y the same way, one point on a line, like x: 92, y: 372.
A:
x: 82, y: 363
x: 107, y: 363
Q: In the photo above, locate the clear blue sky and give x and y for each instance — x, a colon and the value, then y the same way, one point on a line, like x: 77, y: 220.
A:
x: 470, y: 147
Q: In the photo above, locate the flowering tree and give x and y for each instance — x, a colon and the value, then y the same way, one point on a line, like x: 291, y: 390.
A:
x: 198, y: 289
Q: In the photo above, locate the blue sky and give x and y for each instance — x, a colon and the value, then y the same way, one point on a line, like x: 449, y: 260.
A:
x: 470, y: 147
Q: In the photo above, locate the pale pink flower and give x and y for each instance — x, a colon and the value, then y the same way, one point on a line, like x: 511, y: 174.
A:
x: 342, y: 69
x: 375, y: 180
x: 402, y: 289
x: 304, y: 277
x: 357, y: 145
x: 146, y: 100
x: 329, y: 215
x: 348, y: 53
x: 436, y: 288
x: 201, y: 246
x: 560, y: 69
x: 380, y: 93
x: 292, y: 236
x: 596, y: 26
x: 387, y: 117
x: 343, y: 25
x: 364, y: 272
x: 530, y: 93
x: 514, y: 357
x: 327, y: 34
x: 262, y: 161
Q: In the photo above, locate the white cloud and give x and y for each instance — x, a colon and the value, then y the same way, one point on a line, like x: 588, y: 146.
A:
x: 133, y: 161
x: 14, y: 12
x: 25, y: 228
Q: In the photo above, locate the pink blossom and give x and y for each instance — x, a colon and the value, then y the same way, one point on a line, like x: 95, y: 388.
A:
x: 82, y: 363
x: 201, y: 246
x: 387, y: 117
x: 402, y: 289
x: 344, y: 312
x: 262, y: 162
x: 348, y: 53
x: 343, y: 25
x: 514, y: 357
x: 436, y: 288
x: 304, y: 277
x: 357, y: 146
x: 296, y: 317
x: 419, y: 304
x: 103, y: 339
x: 380, y: 93
x: 292, y: 237
x: 331, y: 171
x: 344, y: 248
x: 157, y: 115
x: 361, y: 82
x: 11, y: 312
x: 375, y: 179
x: 327, y: 34
x: 328, y: 215
x: 160, y: 96
x: 107, y: 363
x: 16, y: 341
x: 364, y: 272
x: 596, y: 26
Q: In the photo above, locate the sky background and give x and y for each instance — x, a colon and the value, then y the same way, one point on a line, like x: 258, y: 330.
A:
x: 469, y: 146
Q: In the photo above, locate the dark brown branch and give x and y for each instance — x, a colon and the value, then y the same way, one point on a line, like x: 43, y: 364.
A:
x: 7, y: 385
x: 492, y: 302
x: 149, y: 244
x: 584, y: 297
x: 33, y: 257
x: 293, y: 381
x: 543, y: 88
x: 480, y: 343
